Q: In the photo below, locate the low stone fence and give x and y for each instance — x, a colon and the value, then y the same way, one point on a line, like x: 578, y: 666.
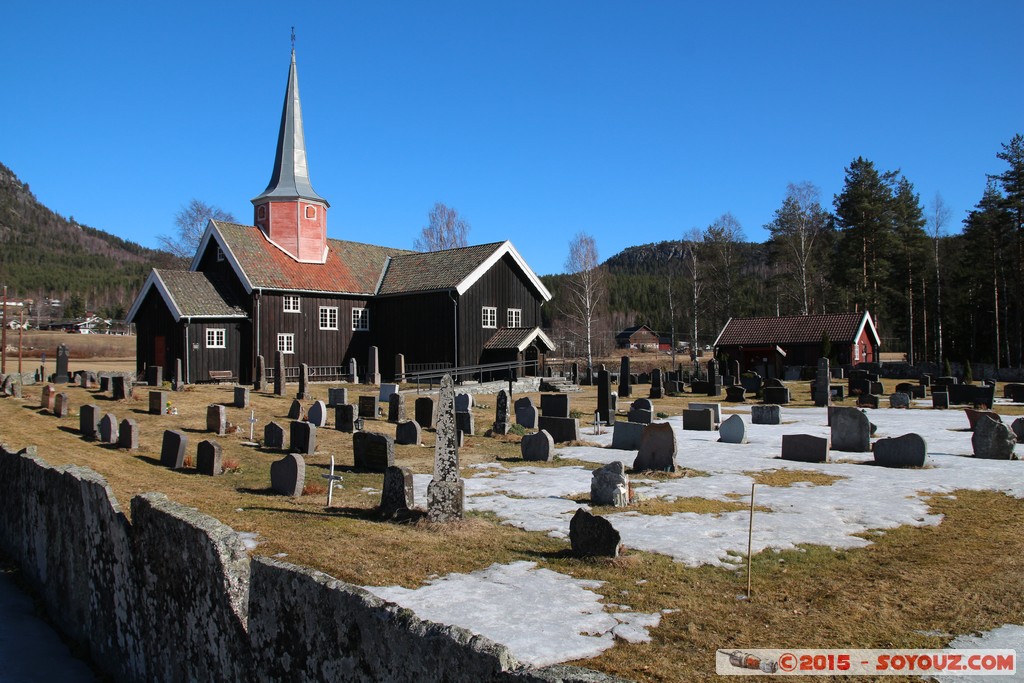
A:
x: 174, y: 596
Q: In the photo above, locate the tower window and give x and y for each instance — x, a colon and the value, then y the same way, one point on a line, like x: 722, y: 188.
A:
x: 310, y: 212
x: 261, y: 211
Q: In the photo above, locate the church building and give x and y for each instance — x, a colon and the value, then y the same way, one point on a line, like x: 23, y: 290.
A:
x: 281, y: 284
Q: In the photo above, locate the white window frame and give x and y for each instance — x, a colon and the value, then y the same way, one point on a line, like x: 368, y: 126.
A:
x: 489, y: 317
x: 514, y: 317
x: 220, y: 254
x: 328, y: 317
x: 293, y: 299
x: 360, y: 319
x: 286, y: 342
x: 216, y: 338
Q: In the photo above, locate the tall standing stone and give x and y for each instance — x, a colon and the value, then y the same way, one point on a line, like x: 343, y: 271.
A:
x: 89, y: 421
x: 396, y: 408
x: 397, y: 493
x: 303, y: 438
x: 62, y: 364
x: 446, y: 492
x: 353, y: 371
x: 526, y: 412
x: 657, y: 388
x: 209, y: 458
x: 128, y: 434
x: 736, y: 369
x: 604, y: 397
x: 260, y: 381
x: 822, y: 382
x: 501, y: 413
x: 121, y: 387
x: 179, y: 378
x: 424, y: 412
x: 657, y: 449
x: 172, y: 449
x: 241, y: 397
x: 303, y: 394
x: 279, y: 383
x: 399, y: 367
x: 625, y: 388
x: 155, y: 376
x: 108, y: 429
x: 373, y: 367
x: 345, y: 417
x: 216, y: 419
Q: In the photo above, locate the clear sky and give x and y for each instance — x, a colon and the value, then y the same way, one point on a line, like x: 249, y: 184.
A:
x: 632, y: 121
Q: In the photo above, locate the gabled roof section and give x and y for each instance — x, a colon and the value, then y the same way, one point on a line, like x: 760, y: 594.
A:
x: 457, y: 269
x: 796, y: 329
x: 290, y: 177
x: 518, y: 338
x: 630, y: 331
x: 190, y: 294
x: 350, y: 267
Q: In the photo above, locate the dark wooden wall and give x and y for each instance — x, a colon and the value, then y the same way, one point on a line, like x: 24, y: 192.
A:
x: 236, y: 344
x: 312, y: 345
x: 153, y: 320
x: 420, y: 326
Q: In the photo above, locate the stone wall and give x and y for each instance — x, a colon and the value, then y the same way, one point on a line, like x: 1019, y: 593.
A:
x: 173, y: 596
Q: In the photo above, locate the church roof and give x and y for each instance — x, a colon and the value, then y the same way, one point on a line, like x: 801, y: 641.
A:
x: 518, y: 338
x: 795, y: 329
x: 425, y: 271
x: 190, y: 294
x: 290, y: 176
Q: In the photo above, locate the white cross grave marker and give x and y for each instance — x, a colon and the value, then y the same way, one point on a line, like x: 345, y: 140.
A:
x: 332, y: 480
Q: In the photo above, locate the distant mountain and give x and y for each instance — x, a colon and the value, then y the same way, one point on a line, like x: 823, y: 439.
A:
x: 44, y: 255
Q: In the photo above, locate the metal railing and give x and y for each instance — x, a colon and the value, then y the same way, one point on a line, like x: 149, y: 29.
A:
x: 486, y: 372
x: 317, y: 373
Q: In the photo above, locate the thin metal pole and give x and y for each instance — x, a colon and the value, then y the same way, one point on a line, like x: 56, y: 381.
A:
x: 750, y: 537
x: 21, y: 330
x: 3, y: 337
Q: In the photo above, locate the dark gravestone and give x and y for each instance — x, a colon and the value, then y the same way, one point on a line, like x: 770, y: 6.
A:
x: 128, y: 434
x: 502, y: 417
x: 89, y: 421
x: 940, y: 399
x: 876, y: 388
x: 867, y: 401
x: 446, y: 492
x: 463, y: 402
x: 715, y: 408
x: 593, y: 536
x: 735, y: 394
x: 702, y: 420
x: 345, y: 418
x: 155, y: 376
x: 303, y: 438
x: 604, y: 392
x: 209, y: 458
x: 765, y: 415
x: 216, y: 419
x: 368, y: 406
x: 336, y: 396
x: 374, y: 452
x: 609, y: 485
x: 317, y: 414
x: 397, y: 493
x: 172, y: 450
x: 396, y: 408
x: 273, y: 436
x: 851, y: 430
x: 925, y: 380
x: 288, y: 475
x: 260, y: 380
x: 424, y: 412
x: 561, y: 429
x: 903, y: 451
x: 303, y: 394
x: 776, y: 395
x: 821, y: 385
x: 108, y: 429
x: 554, y: 405
x: 408, y: 433
x: 640, y: 416
x: 974, y: 415
x: 628, y: 435
x: 899, y: 400
x: 972, y: 394
x: 774, y: 382
x: 625, y: 389
x: 657, y: 388
x: 752, y: 382
x: 1014, y: 392
x: 62, y: 365
x: 295, y: 411
x: 657, y: 449
x: 728, y: 380
x: 61, y: 405
x: 804, y: 448
x: 465, y: 423
x: 993, y: 440
x: 121, y: 387
x: 539, y: 446
x: 1017, y: 427
x: 280, y: 386
x: 158, y: 402
x: 241, y: 397
x: 526, y: 413
x: 733, y: 430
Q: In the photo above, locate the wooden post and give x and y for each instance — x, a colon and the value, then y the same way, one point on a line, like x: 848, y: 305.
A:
x: 750, y: 537
x: 3, y: 337
x: 21, y: 331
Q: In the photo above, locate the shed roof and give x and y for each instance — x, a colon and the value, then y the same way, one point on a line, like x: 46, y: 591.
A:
x: 518, y: 338
x: 190, y: 294
x: 796, y: 329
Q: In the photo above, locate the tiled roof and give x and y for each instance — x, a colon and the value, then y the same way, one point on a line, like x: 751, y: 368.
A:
x: 517, y: 338
x: 201, y: 294
x: 433, y: 270
x: 630, y: 331
x: 351, y: 267
x: 794, y: 329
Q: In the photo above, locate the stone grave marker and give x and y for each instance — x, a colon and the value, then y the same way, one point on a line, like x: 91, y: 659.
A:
x: 446, y: 494
x: 538, y: 446
x: 715, y: 408
x: 776, y: 395
x: 424, y: 412
x: 526, y: 412
x: 336, y: 396
x: 61, y: 405
x: 373, y: 367
x: 302, y: 436
x: 657, y: 449
x: 867, y: 401
x: 108, y: 429
x: 408, y: 433
x: 209, y: 459
x: 158, y: 401
x: 902, y: 451
x: 1014, y: 392
x: 368, y: 407
x: 733, y: 430
x: 821, y: 394
x: 974, y: 415
x: 851, y: 430
x: 128, y: 434
x: 561, y: 429
x: 627, y: 436
x: 554, y: 405
x: 593, y: 536
x: 353, y: 371
x: 804, y: 448
x: 1017, y: 427
x: 89, y: 421
x: 295, y: 411
x: 464, y: 402
x: 345, y: 417
x: 104, y: 383
x: 241, y: 397
x: 303, y: 393
x: 465, y: 423
x: 373, y: 452
x: 501, y: 414
x: 399, y: 367
x: 155, y: 376
x: 625, y: 388
x: 397, y: 494
x: 273, y: 436
x: 993, y: 441
x: 178, y: 384
x: 217, y: 419
x: 609, y: 485
x: 62, y: 365
x: 260, y: 381
x: 120, y: 387
x: 172, y: 449
x: 386, y: 391
x: 47, y: 396
x: 396, y: 408
x: 735, y: 394
x: 317, y: 414
x: 280, y: 385
x: 698, y: 420
x: 899, y: 400
x: 657, y: 388
x: 288, y: 475
x: 604, y: 399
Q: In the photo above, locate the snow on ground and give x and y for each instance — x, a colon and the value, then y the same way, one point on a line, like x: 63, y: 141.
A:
x: 1008, y: 637
x: 545, y: 617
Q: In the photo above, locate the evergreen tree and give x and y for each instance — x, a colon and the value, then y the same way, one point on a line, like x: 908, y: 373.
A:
x: 1012, y: 182
x: 989, y: 232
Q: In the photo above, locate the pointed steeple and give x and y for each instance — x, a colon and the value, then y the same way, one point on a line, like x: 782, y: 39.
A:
x: 290, y: 177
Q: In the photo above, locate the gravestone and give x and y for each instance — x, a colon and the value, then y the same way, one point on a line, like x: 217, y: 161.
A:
x: 876, y: 388
x: 158, y: 401
x: 288, y: 475
x: 822, y: 381
x: 273, y: 436
x: 408, y: 433
x: 902, y: 451
x: 538, y: 446
x: 774, y: 382
x: 345, y: 418
x: 640, y: 416
x: 657, y: 389
x: 302, y: 436
x: 424, y: 412
x: 851, y: 430
x: 609, y: 485
x: 317, y: 415
x: 463, y: 402
x: 899, y: 400
x: 715, y: 408
x: 867, y: 401
x: 373, y: 367
x: 446, y: 494
x: 128, y: 434
x: 575, y: 369
x: 733, y: 430
x: 46, y: 397
x: 120, y: 387
x: 554, y: 405
x: 993, y: 440
x: 61, y: 405
x: 216, y: 419
x: 209, y: 459
x: 1017, y: 427
x: 353, y: 370
x: 396, y: 408
x: 501, y: 414
x: 925, y: 380
x: 604, y: 390
x: 62, y: 365
x: 16, y: 389
x: 241, y: 397
x: 625, y: 388
x: 561, y: 429
x: 260, y: 381
x: 974, y: 415
x: 465, y: 423
x: 172, y: 449
x: 89, y: 421
x: 104, y: 383
x: 698, y: 420
x: 303, y: 394
x: 386, y: 391
x: 108, y: 429
x: 657, y: 449
x: 776, y: 395
x: 397, y: 493
x: 735, y: 394
x: 593, y: 536
x: 373, y: 452
x: 804, y: 448
x: 155, y: 376
x: 628, y: 435
x: 526, y: 412
x: 734, y: 369
x: 399, y: 367
x: 752, y: 382
x: 336, y: 396
x: 178, y: 384
x: 280, y: 386
x: 368, y: 407
x: 714, y: 384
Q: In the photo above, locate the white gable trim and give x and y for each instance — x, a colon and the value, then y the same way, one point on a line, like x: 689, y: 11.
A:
x: 537, y: 332
x: 867, y: 322
x: 719, y: 337
x: 505, y: 248
x: 154, y: 280
x: 212, y: 232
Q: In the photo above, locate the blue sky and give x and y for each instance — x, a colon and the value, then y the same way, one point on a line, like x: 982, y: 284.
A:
x: 536, y: 120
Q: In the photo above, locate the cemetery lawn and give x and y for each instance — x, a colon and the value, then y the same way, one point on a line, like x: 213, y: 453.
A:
x: 912, y: 586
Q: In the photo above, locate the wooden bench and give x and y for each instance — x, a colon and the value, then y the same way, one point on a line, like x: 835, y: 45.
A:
x: 219, y: 376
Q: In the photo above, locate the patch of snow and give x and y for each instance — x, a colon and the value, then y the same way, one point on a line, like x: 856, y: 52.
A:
x: 1007, y: 637
x: 249, y: 539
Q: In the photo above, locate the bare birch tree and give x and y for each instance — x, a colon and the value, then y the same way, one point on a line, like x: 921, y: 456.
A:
x: 937, y: 222
x: 797, y: 225
x: 721, y: 238
x: 445, y: 229
x: 190, y: 224
x: 586, y: 290
x: 693, y: 261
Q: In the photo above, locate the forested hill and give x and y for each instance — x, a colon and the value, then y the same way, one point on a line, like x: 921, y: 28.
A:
x: 43, y: 254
